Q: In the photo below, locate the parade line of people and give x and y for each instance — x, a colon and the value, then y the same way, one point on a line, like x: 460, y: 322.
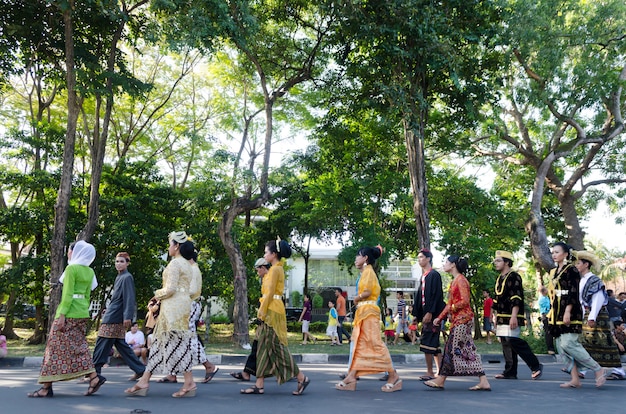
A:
x: 578, y: 317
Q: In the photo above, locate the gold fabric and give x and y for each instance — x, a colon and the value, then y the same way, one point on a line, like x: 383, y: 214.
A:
x: 272, y: 311
x: 370, y: 355
x: 175, y: 297
x: 196, y: 282
x: 368, y: 281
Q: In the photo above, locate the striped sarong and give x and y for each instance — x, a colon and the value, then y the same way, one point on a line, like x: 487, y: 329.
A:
x: 599, y: 342
x: 273, y: 359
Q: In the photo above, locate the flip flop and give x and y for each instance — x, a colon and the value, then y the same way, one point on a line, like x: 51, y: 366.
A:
x: 479, y: 388
x: 209, y: 375
x: 426, y: 378
x: 537, y: 374
x: 434, y: 385
x: 569, y: 385
x: 502, y: 376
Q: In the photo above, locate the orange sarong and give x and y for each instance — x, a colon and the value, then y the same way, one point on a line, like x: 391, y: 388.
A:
x: 370, y: 354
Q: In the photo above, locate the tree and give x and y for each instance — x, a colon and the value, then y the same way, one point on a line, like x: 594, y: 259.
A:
x: 560, y: 112
x: 277, y: 46
x: 412, y: 56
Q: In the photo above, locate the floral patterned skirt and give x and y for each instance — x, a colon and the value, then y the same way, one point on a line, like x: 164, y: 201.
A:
x: 459, y: 354
x: 67, y: 354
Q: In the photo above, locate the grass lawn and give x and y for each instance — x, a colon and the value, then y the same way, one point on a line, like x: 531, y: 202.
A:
x: 220, y: 342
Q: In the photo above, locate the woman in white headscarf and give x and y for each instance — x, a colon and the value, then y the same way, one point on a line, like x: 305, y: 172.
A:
x: 172, y: 351
x: 67, y: 354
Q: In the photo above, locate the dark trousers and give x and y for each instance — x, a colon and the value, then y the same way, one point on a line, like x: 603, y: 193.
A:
x: 546, y: 332
x: 511, y: 348
x: 251, y: 361
x: 102, y: 351
x: 340, y: 330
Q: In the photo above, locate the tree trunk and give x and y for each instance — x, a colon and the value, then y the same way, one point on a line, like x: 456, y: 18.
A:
x: 61, y: 208
x: 417, y: 174
x: 575, y: 234
x: 535, y: 225
x: 240, y: 282
x: 39, y: 334
x: 7, y: 330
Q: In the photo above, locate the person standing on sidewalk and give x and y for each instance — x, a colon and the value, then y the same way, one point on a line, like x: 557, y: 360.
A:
x: 341, y: 312
x: 544, y: 309
x: 509, y: 302
x: 428, y: 304
x: 118, y: 318
x: 249, y: 370
x: 487, y: 324
x: 305, y: 319
x: 403, y: 322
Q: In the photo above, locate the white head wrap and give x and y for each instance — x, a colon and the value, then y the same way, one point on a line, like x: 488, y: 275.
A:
x: 84, y: 254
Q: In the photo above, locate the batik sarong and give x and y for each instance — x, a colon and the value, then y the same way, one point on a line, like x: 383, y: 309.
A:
x: 459, y: 354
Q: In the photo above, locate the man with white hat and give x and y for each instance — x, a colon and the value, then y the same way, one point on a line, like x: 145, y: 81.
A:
x: 261, y: 266
x: 596, y: 336
x: 508, y: 302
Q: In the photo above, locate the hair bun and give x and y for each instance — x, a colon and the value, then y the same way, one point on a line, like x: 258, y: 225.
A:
x: 285, y: 249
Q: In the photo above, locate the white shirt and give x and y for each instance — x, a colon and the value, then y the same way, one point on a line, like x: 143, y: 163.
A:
x: 139, y: 338
x: 597, y: 300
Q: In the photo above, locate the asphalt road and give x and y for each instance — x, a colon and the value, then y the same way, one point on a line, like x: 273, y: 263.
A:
x: 222, y: 394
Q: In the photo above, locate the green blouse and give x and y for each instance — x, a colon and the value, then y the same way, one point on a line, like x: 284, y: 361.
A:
x: 76, y: 295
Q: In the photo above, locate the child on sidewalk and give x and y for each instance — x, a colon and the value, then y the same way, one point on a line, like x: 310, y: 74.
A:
x: 331, y: 331
x: 390, y: 329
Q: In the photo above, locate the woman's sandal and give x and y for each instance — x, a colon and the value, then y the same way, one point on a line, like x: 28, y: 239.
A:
x: 396, y: 386
x: 302, y: 386
x: 343, y: 386
x: 94, y: 388
x: 136, y: 391
x: 166, y: 380
x: 253, y: 390
x: 239, y: 376
x: 209, y: 375
x: 185, y: 393
x: 433, y: 384
x: 38, y: 394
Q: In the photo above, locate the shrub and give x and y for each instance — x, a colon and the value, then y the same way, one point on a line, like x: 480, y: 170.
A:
x: 536, y: 342
x: 29, y: 323
x: 318, y: 301
x: 296, y: 299
x: 219, y: 318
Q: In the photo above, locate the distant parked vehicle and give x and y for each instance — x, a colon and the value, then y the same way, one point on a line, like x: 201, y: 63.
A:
x: 293, y: 314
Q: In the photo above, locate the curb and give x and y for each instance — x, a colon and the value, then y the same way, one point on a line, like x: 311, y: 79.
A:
x: 402, y: 359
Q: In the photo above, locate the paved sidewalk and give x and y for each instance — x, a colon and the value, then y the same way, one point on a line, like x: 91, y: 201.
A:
x: 414, y: 359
